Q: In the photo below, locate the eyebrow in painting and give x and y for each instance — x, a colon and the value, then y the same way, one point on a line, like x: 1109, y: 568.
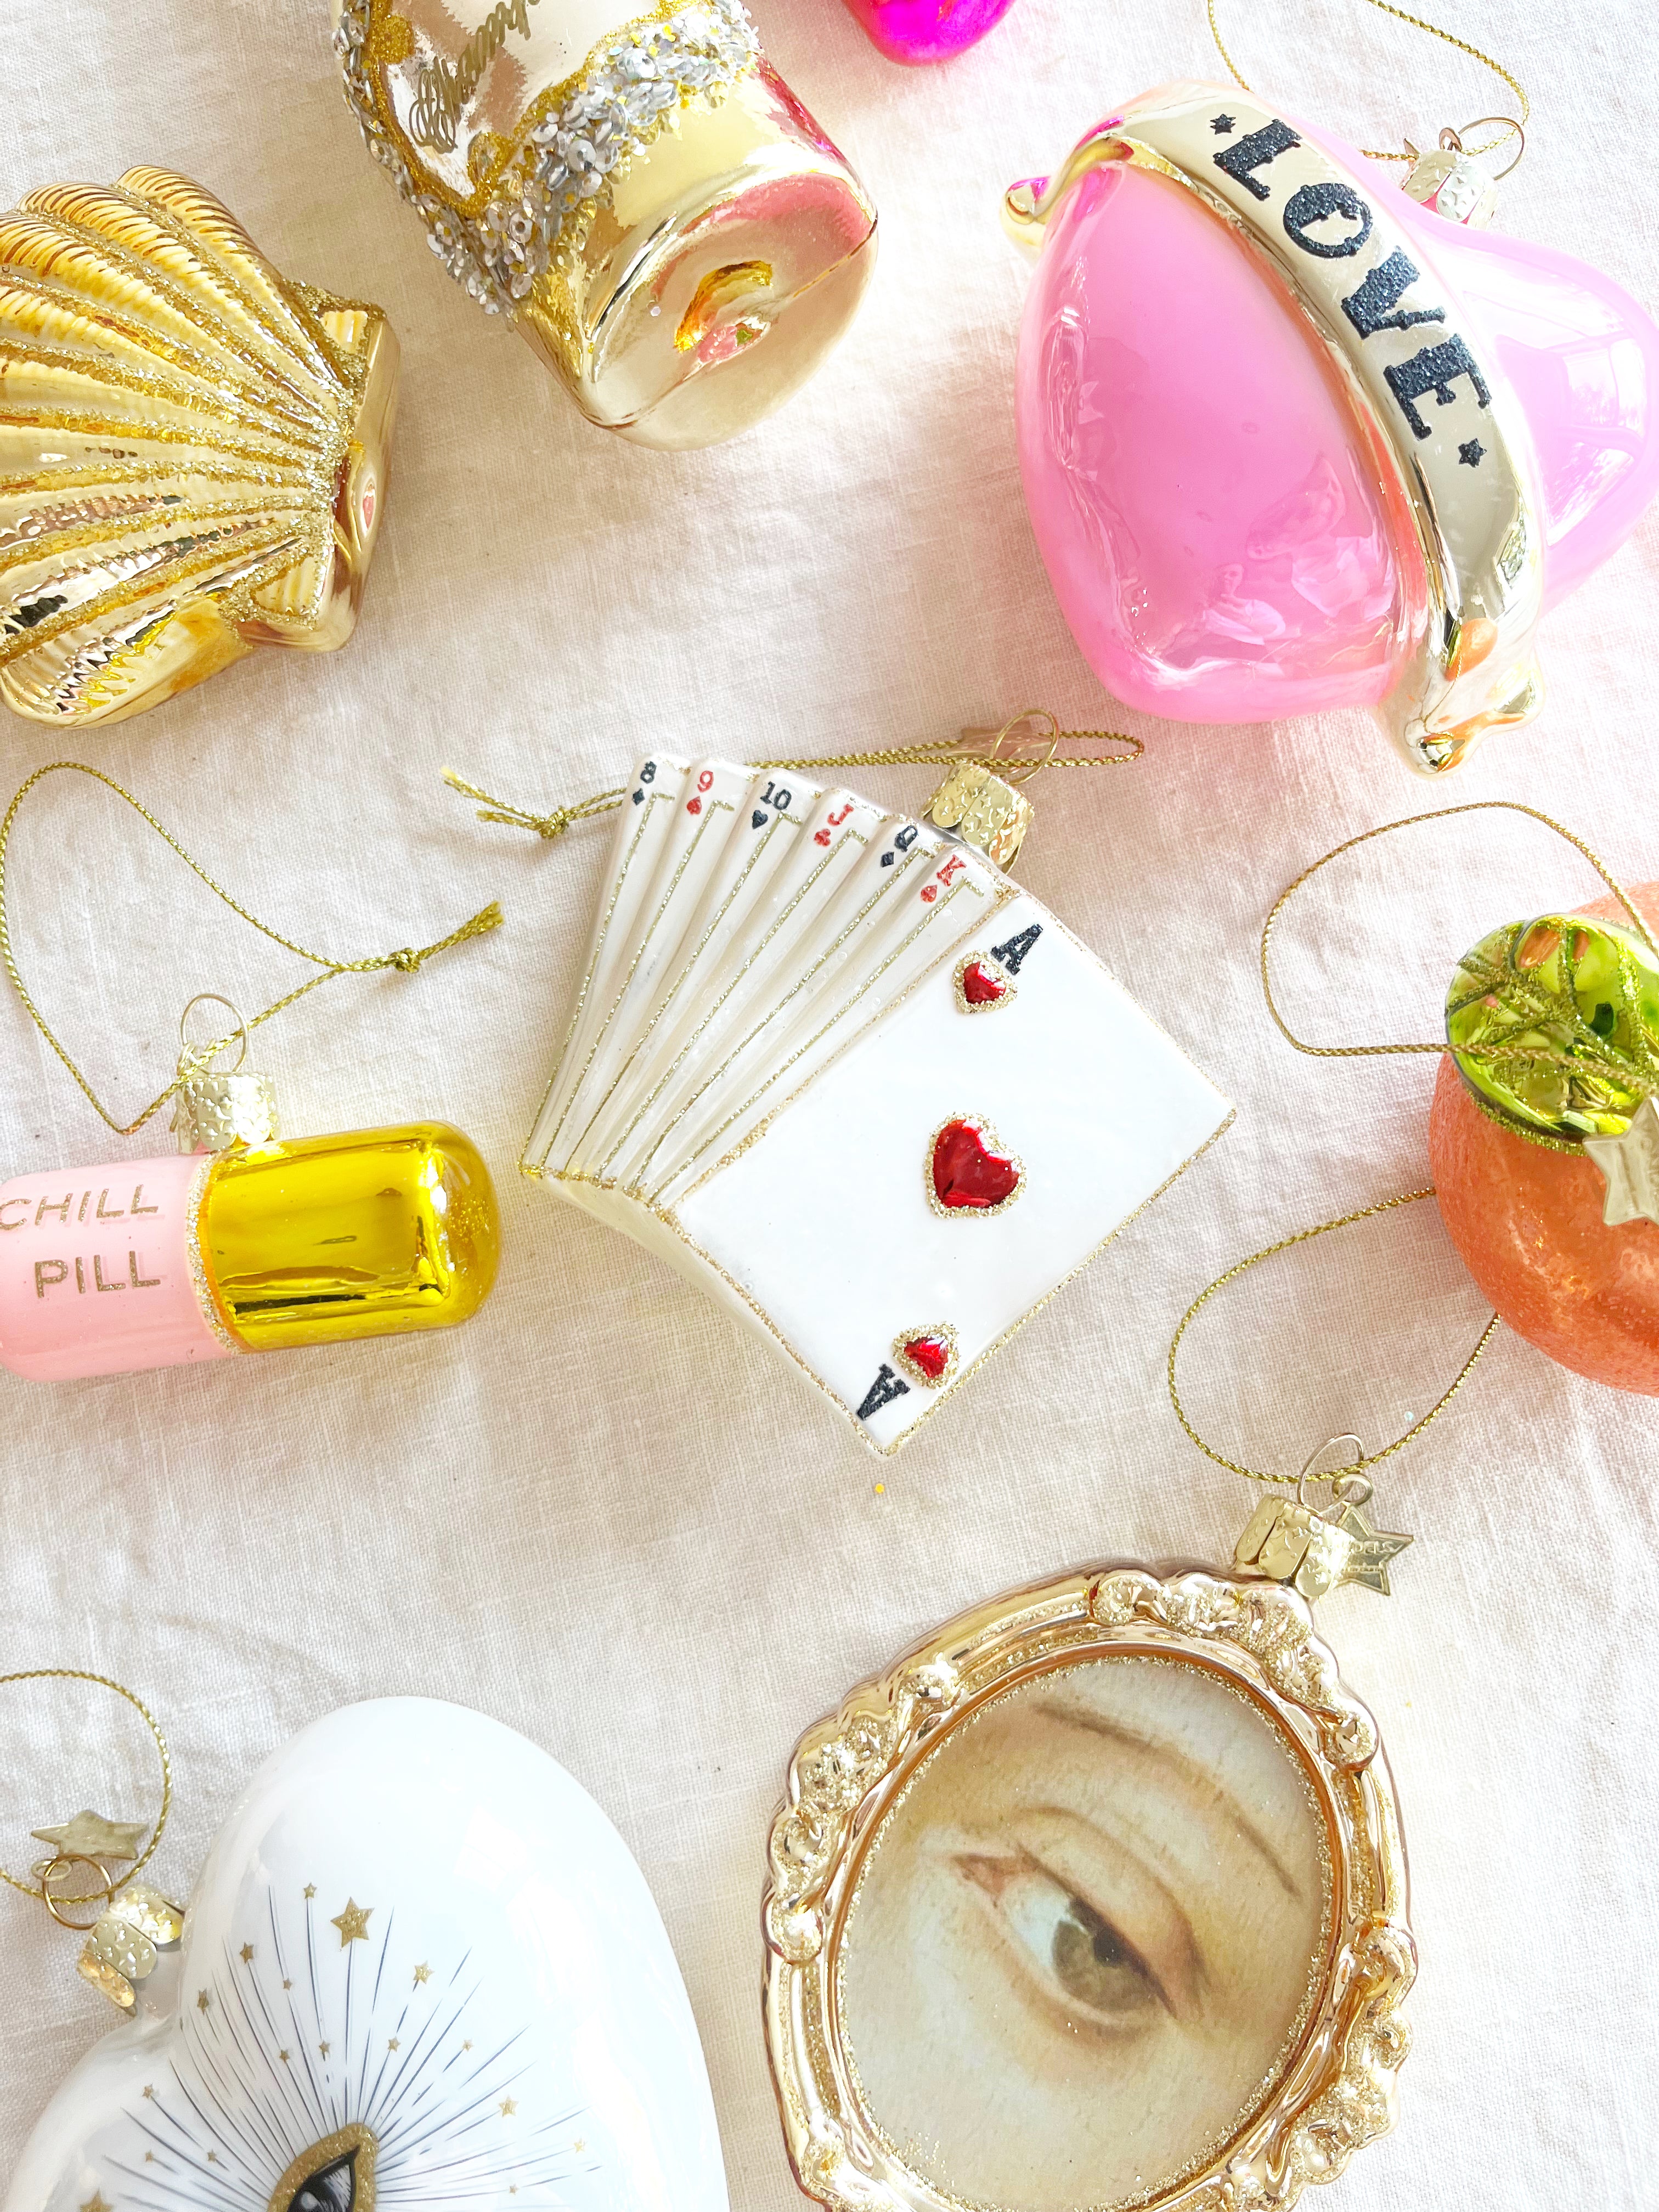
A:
x: 1133, y: 1741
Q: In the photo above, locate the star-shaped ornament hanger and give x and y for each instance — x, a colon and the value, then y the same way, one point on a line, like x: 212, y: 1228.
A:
x: 1318, y: 1550
x: 1631, y: 1163
x: 89, y: 1835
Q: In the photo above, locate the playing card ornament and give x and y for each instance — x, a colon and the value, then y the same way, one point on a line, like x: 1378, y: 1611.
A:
x: 1098, y: 1896
x: 774, y: 1021
x: 640, y: 195
x: 928, y: 30
x: 1293, y: 439
x: 418, y: 1964
x: 1546, y: 1162
x: 193, y: 450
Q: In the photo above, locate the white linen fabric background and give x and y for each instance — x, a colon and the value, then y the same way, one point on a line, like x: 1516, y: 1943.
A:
x: 600, y: 1511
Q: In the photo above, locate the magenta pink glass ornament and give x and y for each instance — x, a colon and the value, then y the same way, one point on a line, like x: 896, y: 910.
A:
x: 1233, y: 533
x: 928, y: 30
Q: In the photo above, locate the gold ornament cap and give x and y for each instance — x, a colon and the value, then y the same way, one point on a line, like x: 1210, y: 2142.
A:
x: 1316, y: 1551
x: 125, y: 1947
x: 217, y: 1109
x: 976, y: 805
x: 1447, y: 183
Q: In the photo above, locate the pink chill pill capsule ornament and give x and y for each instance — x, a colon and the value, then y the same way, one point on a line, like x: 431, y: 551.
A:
x: 1294, y: 437
x: 928, y: 30
x: 240, y: 1241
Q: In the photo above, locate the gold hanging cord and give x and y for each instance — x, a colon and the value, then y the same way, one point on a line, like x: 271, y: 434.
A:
x: 1512, y: 125
x: 1284, y: 1243
x: 1586, y: 1053
x: 407, y: 960
x: 50, y: 1870
x: 1016, y: 757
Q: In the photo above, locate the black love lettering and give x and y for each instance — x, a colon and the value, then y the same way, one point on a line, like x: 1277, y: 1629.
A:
x: 1309, y: 217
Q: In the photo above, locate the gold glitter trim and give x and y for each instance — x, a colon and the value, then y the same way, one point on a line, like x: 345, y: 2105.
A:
x: 598, y: 954
x: 206, y: 1297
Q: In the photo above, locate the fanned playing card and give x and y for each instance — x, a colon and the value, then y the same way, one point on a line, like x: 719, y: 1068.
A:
x: 839, y: 1070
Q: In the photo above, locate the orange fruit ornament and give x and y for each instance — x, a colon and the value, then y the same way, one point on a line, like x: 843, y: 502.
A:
x: 1558, y: 1023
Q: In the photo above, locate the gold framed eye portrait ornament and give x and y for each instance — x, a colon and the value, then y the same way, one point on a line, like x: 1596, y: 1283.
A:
x: 1096, y: 1898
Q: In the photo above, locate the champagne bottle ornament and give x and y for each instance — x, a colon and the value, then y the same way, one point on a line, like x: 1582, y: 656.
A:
x: 362, y: 2003
x: 1098, y: 1895
x: 1544, y: 1129
x: 639, y: 196
x: 242, y: 1240
x: 837, y: 1068
x: 928, y: 30
x: 193, y: 449
x: 1425, y: 435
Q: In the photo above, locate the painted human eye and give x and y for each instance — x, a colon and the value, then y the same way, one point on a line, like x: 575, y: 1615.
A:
x: 330, y: 2188
x: 1071, y: 1949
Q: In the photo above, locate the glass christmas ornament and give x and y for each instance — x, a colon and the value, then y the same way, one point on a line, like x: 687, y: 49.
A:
x: 1546, y: 1166
x: 193, y: 450
x: 640, y: 195
x: 419, y: 1966
x: 1097, y: 1897
x: 928, y: 30
x: 1294, y: 438
x: 242, y: 1242
x: 839, y: 1070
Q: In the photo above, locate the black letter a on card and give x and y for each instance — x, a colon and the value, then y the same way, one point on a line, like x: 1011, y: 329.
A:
x: 1016, y: 948
x: 882, y: 1392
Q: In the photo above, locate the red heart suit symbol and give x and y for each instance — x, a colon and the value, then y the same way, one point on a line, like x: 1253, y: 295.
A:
x: 968, y: 1174
x: 931, y: 1355
x: 981, y: 986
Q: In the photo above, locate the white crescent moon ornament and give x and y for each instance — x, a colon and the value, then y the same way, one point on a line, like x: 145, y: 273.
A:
x: 420, y: 1967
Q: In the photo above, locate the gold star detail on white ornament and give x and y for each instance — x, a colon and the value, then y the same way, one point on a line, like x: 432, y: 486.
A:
x: 95, y: 2202
x: 203, y: 2000
x: 353, y: 1923
x: 248, y: 1954
x: 89, y: 1835
x: 509, y: 2105
x: 1631, y: 1164
x: 422, y: 1974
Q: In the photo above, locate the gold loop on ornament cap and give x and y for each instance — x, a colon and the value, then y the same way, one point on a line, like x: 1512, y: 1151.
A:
x: 218, y: 1108
x: 54, y: 1905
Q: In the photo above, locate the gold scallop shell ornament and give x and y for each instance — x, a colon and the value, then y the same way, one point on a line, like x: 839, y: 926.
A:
x: 193, y: 450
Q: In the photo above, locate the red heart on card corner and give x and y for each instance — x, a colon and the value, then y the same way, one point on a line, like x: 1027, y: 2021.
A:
x: 968, y: 1172
x: 929, y: 1355
x: 981, y: 986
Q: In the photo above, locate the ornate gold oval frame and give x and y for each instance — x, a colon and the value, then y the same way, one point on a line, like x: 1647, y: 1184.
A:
x: 1335, y: 2091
